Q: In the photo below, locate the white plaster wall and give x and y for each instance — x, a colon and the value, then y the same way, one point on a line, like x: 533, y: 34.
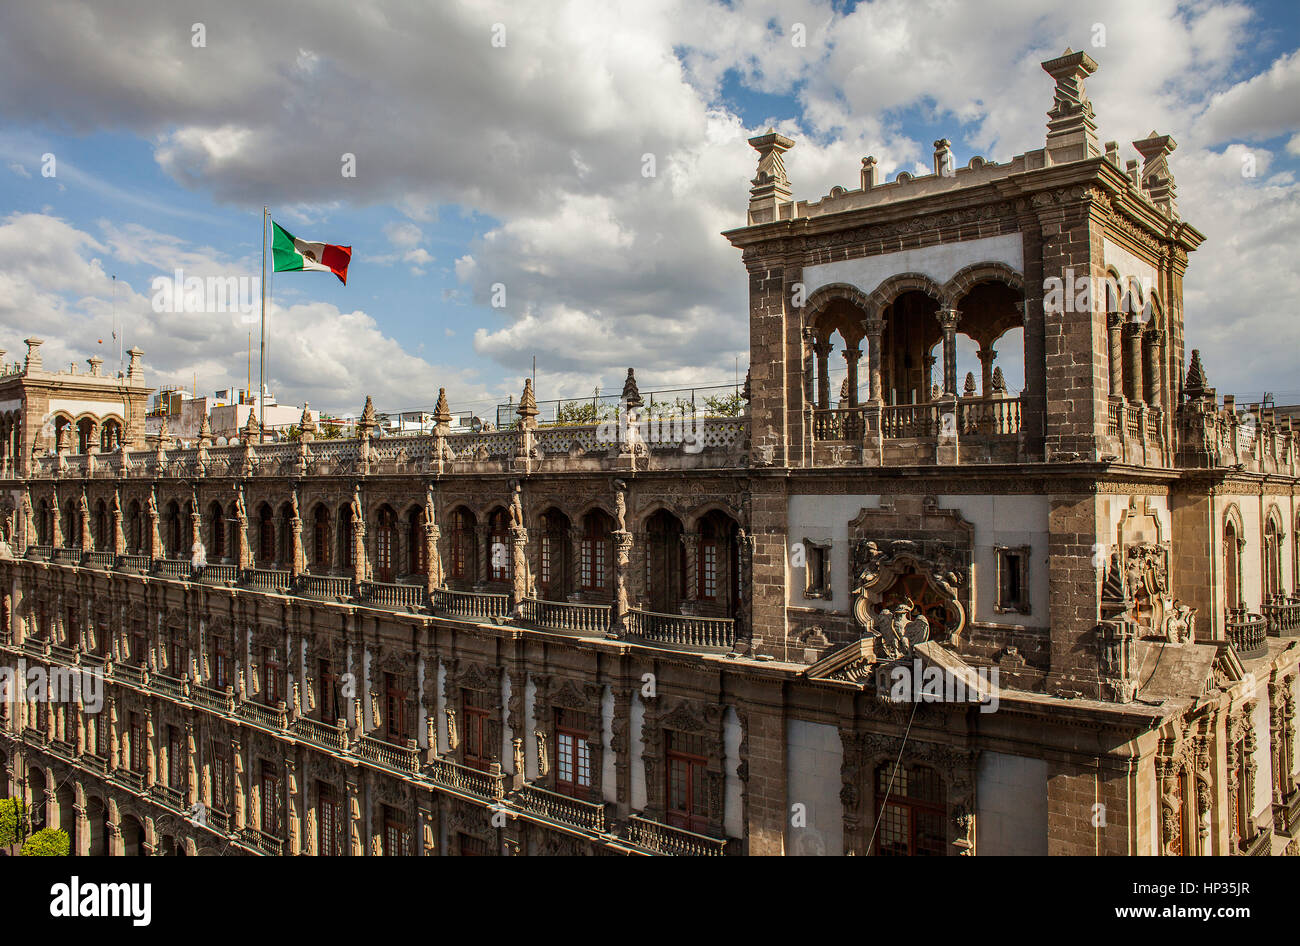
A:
x: 75, y: 406
x: 998, y: 520
x: 1129, y: 267
x: 1252, y: 531
x: 507, y: 734
x: 636, y: 727
x: 733, y: 819
x: 814, y: 757
x: 1263, y: 759
x: 940, y: 263
x: 530, y: 726
x: 608, y: 770
x: 1011, y: 805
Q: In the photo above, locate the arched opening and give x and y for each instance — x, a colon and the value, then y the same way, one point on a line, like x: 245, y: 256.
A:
x: 665, y: 563
x: 172, y: 526
x: 36, y: 800
x: 385, y: 540
x: 265, y: 536
x: 71, y: 525
x: 218, y: 550
x: 595, y: 556
x: 462, y: 565
x: 102, y: 540
x: 345, y: 539
x: 417, y: 552
x: 1272, y: 558
x: 133, y: 837
x: 717, y: 565
x: 44, y: 524
x: 62, y: 428
x: 135, y: 529
x: 97, y: 825
x: 110, y: 436
x: 65, y: 799
x: 1232, y: 545
x: 498, y: 550
x: 911, y: 801
x: 911, y: 330
x: 320, y: 539
x: 85, y: 434
x: 555, y: 572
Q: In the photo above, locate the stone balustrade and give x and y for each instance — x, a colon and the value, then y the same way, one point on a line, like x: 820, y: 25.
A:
x: 666, y: 839
x: 1248, y: 633
x: 566, y: 616
x: 682, y: 630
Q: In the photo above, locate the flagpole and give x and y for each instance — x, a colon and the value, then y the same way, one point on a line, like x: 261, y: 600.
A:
x: 261, y: 357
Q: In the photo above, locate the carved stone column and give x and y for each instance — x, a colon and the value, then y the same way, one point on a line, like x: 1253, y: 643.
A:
x: 237, y: 765
x: 622, y: 557
x: 294, y: 800
x: 851, y: 357
x: 948, y: 319
x: 692, y: 542
x: 823, y: 349
x: 1154, y: 350
x: 875, y: 332
x: 1115, y: 350
x: 151, y: 750
x: 986, y: 356
x: 191, y: 766
x: 1133, y: 361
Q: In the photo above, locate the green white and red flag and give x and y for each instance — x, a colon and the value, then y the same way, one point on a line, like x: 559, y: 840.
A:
x: 291, y: 254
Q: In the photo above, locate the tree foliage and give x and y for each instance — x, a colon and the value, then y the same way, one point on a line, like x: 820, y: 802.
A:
x: 47, y: 842
x: 10, y: 809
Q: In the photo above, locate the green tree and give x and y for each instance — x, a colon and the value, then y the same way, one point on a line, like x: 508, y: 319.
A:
x: 47, y: 842
x: 571, y: 413
x: 10, y: 811
x: 725, y: 405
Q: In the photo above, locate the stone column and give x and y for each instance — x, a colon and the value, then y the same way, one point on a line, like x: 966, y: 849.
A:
x: 114, y: 746
x: 948, y: 319
x: 354, y: 819
x: 622, y: 556
x: 986, y: 356
x: 1133, y: 361
x: 823, y: 350
x: 292, y: 819
x: 692, y: 543
x: 191, y: 766
x: 151, y: 750
x: 851, y: 356
x: 875, y: 332
x: 237, y: 779
x: 428, y: 831
x: 1155, y: 346
x: 1114, y: 333
x: 482, y: 536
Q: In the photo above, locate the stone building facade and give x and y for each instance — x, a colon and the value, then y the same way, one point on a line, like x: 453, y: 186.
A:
x: 925, y: 615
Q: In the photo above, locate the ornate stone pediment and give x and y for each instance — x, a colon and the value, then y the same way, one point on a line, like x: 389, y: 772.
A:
x: 855, y: 663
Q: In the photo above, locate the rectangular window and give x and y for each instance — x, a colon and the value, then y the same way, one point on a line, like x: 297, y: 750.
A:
x: 221, y: 775
x: 685, y: 773
x: 397, y: 837
x: 72, y: 630
x: 708, y: 565
x: 220, y: 668
x: 176, y: 762
x: 271, y: 676
x: 137, y: 748
x: 1012, y: 579
x: 270, y: 800
x: 572, y: 753
x: 139, y: 645
x: 817, y: 570
x: 395, y: 710
x: 473, y: 847
x: 329, y: 693
x: 476, y: 740
x: 329, y: 833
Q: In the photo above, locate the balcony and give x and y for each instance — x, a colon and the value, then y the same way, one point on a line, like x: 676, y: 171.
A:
x: 682, y: 630
x: 36, y: 646
x: 63, y: 653
x: 1283, y: 615
x: 402, y: 758
x: 262, y: 842
x: 272, y: 717
x: 40, y: 553
x: 95, y: 763
x: 134, y: 781
x: 470, y: 604
x: 564, y: 616
x: 378, y: 594
x: 326, y: 587
x: 218, y: 574
x: 1248, y: 633
x: 676, y: 842
x: 179, y: 569
x: 589, y: 816
x: 127, y: 673
x: 173, y: 798
x: 93, y: 559
x: 220, y: 701
x: 133, y: 563
x: 322, y: 734
x: 462, y: 778
x: 217, y: 820
x: 845, y: 424
x: 173, y: 687
x: 66, y: 556
x: 275, y: 580
x: 1286, y: 814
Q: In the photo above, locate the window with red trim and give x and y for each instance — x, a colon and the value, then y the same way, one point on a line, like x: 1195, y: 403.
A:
x: 685, y: 772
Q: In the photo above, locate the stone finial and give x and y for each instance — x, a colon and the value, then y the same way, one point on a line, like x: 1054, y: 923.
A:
x: 870, y: 172
x: 528, y: 405
x: 944, y: 163
x: 771, y: 186
x: 1071, y: 127
x: 163, y: 436
x: 1196, y: 384
x: 33, y: 362
x: 252, y: 430
x: 1114, y: 592
x: 999, y: 382
x: 368, y: 420
x: 306, y: 425
x: 1156, y: 178
x: 968, y: 389
x: 96, y: 363
x: 134, y: 368
x: 1112, y: 153
x: 631, y: 396
x: 205, y: 431
x: 441, y: 412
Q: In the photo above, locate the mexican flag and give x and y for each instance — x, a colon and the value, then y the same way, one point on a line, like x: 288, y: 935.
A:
x: 292, y: 254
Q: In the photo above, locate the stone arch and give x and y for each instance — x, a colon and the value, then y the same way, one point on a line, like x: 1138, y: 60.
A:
x: 894, y: 286
x: 824, y: 299
x: 968, y: 277
x: 1234, y: 545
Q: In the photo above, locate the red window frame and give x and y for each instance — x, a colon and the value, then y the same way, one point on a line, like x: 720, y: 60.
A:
x: 396, y: 707
x: 321, y: 538
x: 385, y: 539
x: 272, y: 690
x: 476, y: 751
x: 329, y: 822
x: 573, y: 756
x: 397, y: 835
x: 913, y: 817
x: 271, y: 814
x: 687, y: 802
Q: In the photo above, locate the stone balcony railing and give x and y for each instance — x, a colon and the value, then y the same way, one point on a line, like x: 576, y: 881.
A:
x: 322, y: 734
x: 463, y: 778
x: 402, y: 758
x: 682, y: 630
x: 566, y: 616
x: 261, y: 841
x: 1282, y: 612
x: 379, y: 594
x: 718, y: 439
x: 590, y: 816
x: 665, y: 839
x: 470, y: 604
x: 1248, y: 633
x: 327, y: 587
x: 272, y: 717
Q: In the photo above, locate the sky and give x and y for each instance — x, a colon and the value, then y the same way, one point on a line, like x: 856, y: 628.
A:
x: 549, y: 180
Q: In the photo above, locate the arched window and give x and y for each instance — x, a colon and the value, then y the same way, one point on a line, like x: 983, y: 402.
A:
x: 265, y: 537
x: 217, y: 533
x: 320, y: 550
x: 717, y: 563
x: 385, y: 535
x: 174, y: 546
x: 499, y: 545
x: 101, y: 526
x: 135, y: 529
x: 665, y: 562
x: 1232, y: 565
x: 71, y: 525
x: 110, y: 436
x: 555, y: 579
x: 44, y: 530
x: 462, y: 564
x: 594, y: 559
x: 85, y: 431
x: 418, y: 553
x: 1272, y: 558
x: 345, y: 536
x: 910, y: 799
